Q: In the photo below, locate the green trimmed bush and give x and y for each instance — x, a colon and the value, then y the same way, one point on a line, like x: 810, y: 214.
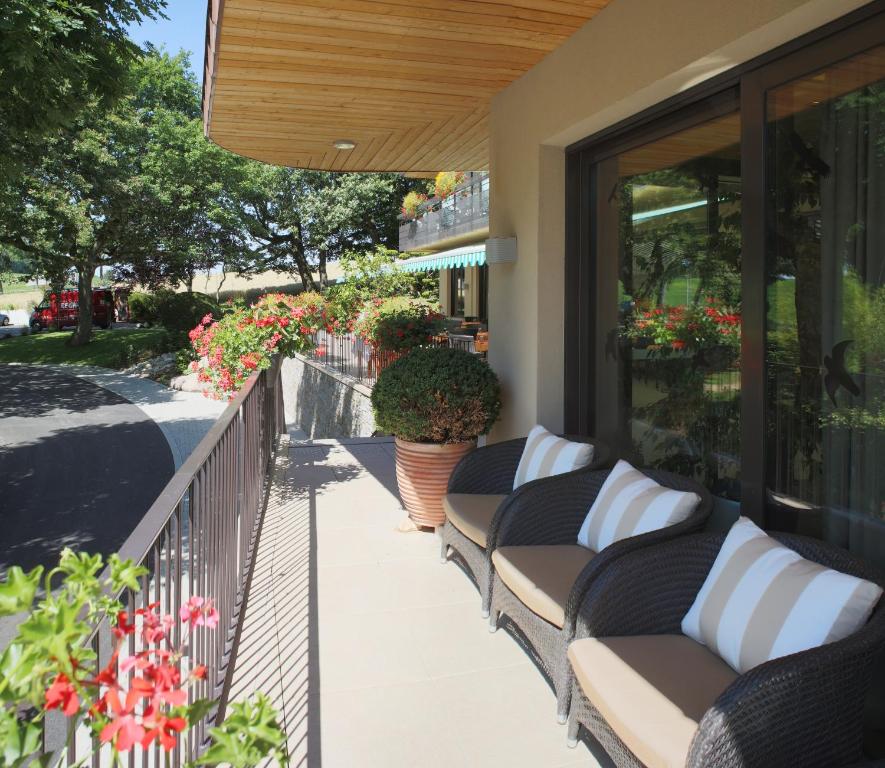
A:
x: 143, y: 307
x: 437, y: 395
x: 179, y: 312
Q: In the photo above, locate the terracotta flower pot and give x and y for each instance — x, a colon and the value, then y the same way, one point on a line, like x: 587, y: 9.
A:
x: 422, y: 474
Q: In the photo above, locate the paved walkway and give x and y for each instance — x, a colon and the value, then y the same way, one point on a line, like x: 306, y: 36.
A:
x: 79, y: 466
x: 374, y: 652
x: 184, y: 417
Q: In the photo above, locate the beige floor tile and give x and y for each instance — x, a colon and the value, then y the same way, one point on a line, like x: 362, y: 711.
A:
x: 371, y: 650
x: 390, y: 586
x: 454, y: 640
x: 372, y: 544
x: 391, y: 727
x: 507, y: 717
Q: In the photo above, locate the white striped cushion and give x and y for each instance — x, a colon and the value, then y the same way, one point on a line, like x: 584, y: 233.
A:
x: 761, y: 600
x: 630, y: 503
x: 546, y: 455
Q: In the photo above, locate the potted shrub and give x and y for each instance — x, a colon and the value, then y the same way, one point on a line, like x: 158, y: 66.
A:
x: 435, y: 401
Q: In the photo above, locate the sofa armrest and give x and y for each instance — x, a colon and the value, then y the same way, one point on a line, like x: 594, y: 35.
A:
x: 639, y: 589
x: 546, y: 511
x: 803, y: 709
x: 490, y: 469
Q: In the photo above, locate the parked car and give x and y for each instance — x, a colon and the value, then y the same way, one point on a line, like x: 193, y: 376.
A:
x: 4, y: 319
x: 58, y: 310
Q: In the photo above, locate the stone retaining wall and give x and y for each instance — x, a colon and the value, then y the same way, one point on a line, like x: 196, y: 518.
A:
x: 324, y: 403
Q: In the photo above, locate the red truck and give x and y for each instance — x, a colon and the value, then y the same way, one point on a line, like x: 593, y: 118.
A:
x: 61, y: 309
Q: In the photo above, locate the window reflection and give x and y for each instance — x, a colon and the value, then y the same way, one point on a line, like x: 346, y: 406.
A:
x: 679, y: 302
x: 825, y: 345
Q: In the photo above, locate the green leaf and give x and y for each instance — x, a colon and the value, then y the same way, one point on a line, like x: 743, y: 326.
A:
x: 18, y: 670
x: 58, y: 632
x: 18, y: 590
x: 79, y: 566
x: 19, y: 739
x: 125, y: 573
x: 248, y: 735
x: 198, y: 710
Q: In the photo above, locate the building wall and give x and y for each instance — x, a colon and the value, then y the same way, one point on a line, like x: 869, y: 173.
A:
x: 631, y: 56
x: 444, y: 290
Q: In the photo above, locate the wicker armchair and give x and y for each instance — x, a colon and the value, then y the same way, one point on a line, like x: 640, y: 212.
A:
x: 490, y: 470
x: 539, y: 517
x: 805, y: 709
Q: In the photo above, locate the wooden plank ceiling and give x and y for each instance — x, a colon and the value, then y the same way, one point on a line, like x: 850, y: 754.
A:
x: 409, y: 82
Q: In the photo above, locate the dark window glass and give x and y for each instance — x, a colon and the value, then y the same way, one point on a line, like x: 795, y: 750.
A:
x: 457, y: 294
x: 483, y: 275
x: 825, y: 341
x: 675, y: 205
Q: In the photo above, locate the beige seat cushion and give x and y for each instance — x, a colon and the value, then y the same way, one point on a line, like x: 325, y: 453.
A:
x: 542, y: 576
x: 472, y: 513
x: 652, y: 690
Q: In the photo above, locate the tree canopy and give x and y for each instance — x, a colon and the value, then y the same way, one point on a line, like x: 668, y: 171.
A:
x: 127, y: 180
x: 57, y: 57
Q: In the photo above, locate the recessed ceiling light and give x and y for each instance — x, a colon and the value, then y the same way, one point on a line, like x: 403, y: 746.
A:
x: 344, y: 144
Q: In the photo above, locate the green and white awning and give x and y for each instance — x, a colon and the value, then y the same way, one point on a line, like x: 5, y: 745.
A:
x: 468, y: 256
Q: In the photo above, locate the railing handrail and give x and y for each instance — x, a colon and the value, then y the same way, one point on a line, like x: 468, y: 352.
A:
x: 180, y: 482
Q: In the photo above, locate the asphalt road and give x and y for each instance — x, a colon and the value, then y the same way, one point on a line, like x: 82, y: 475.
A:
x: 79, y: 466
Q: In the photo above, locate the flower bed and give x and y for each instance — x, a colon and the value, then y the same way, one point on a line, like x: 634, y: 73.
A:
x: 245, y: 339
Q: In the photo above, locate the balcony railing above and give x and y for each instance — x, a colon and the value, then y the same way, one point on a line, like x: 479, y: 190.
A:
x: 465, y: 211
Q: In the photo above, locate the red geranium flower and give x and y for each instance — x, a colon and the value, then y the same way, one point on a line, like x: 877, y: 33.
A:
x: 127, y: 731
x: 62, y: 695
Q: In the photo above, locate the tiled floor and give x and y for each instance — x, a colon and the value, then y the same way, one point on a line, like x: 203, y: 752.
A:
x: 374, y: 652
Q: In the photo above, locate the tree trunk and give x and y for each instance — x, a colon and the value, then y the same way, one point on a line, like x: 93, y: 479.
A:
x: 85, y: 274
x: 324, y: 279
x: 220, y: 283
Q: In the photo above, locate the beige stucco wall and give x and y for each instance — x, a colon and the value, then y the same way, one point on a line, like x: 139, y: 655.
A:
x: 444, y: 286
x: 631, y: 56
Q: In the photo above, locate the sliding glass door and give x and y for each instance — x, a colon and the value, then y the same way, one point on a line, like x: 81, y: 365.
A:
x: 672, y: 308
x: 825, y: 288
x: 725, y: 288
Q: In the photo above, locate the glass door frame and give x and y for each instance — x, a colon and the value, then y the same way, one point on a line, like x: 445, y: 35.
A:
x: 587, y: 393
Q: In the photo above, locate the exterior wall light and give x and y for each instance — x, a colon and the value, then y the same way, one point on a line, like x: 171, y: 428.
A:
x: 501, y: 250
x: 344, y: 144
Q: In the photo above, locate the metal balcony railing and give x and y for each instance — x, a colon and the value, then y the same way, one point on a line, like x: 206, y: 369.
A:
x: 352, y: 356
x: 198, y: 538
x: 466, y: 210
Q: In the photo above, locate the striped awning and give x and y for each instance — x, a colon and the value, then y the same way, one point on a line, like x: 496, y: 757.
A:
x: 468, y: 256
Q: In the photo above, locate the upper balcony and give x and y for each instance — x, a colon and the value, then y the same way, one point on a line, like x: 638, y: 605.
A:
x: 457, y: 219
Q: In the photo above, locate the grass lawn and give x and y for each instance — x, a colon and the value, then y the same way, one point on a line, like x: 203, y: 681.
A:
x: 109, y: 349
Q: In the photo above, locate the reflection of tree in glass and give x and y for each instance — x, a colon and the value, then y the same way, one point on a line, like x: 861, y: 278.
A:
x: 826, y: 165
x: 680, y: 239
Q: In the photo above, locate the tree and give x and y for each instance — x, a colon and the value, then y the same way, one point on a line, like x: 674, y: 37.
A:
x: 373, y: 275
x: 106, y: 191
x: 58, y: 57
x: 296, y: 221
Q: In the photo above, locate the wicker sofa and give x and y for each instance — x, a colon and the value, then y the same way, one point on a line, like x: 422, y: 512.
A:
x: 547, y: 574
x: 480, y: 492
x: 805, y: 709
